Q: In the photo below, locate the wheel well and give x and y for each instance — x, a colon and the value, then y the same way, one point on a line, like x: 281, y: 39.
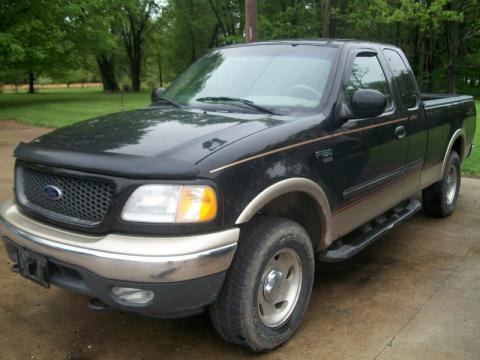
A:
x: 301, y: 208
x: 459, y: 146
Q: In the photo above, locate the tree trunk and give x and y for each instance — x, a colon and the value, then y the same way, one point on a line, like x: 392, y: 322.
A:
x: 416, y: 51
x: 136, y: 62
x: 294, y: 21
x: 323, y: 10
x: 160, y: 73
x: 426, y: 79
x: 219, y: 24
x: 133, y: 45
x: 193, y: 48
x: 452, y: 41
x: 107, y: 72
x: 135, y: 73
x: 332, y: 20
x: 31, y: 83
x: 133, y: 32
x: 429, y: 58
x: 213, y: 39
x: 451, y: 77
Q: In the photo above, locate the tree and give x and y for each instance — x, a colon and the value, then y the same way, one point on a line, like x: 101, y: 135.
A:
x: 135, y: 24
x: 229, y: 16
x: 157, y: 49
x: 155, y: 40
x: 285, y: 19
x: 33, y: 37
x: 91, y: 25
x: 461, y: 25
x: 448, y: 29
x: 188, y: 28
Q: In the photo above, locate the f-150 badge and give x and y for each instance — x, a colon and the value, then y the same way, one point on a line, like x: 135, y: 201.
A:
x: 326, y: 155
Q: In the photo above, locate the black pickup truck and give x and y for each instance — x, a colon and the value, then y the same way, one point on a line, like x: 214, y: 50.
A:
x: 257, y: 161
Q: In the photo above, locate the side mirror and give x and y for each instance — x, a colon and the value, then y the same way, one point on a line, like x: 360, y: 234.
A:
x: 157, y: 94
x: 368, y: 103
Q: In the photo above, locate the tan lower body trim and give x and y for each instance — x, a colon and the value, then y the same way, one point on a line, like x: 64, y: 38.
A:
x: 286, y: 186
x: 360, y: 212
x: 431, y: 174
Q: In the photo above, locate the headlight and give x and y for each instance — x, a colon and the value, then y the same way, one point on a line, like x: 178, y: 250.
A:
x: 171, y: 204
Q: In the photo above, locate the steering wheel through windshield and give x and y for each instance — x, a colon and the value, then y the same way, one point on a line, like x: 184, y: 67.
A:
x: 303, y: 91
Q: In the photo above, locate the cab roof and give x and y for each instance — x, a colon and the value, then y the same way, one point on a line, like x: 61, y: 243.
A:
x: 327, y: 42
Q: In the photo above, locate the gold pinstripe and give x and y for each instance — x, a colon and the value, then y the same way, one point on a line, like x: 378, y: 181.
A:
x: 292, y: 146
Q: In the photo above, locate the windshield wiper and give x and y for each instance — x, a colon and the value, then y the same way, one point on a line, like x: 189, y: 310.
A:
x: 165, y: 100
x: 220, y: 99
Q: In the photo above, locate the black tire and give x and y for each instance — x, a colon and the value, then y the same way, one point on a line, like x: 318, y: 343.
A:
x: 435, y: 198
x: 236, y: 314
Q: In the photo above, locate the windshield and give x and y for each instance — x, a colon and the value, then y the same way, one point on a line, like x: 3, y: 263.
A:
x: 281, y: 78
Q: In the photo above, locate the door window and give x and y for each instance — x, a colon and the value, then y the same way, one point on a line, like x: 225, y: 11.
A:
x: 367, y: 73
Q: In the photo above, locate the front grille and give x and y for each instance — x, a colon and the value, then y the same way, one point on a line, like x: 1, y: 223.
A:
x: 82, y: 201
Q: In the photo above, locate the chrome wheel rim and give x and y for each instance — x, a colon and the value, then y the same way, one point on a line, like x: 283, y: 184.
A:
x: 451, y: 184
x: 280, y: 287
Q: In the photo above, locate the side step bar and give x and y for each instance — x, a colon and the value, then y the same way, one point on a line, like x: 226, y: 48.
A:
x: 346, y: 251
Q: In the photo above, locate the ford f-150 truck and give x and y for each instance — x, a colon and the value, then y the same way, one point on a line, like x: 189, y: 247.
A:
x: 257, y: 161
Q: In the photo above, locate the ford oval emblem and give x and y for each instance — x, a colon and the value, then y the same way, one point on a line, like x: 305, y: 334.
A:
x: 53, y: 192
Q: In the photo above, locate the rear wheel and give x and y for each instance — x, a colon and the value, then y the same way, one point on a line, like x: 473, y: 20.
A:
x: 268, y: 285
x: 440, y: 199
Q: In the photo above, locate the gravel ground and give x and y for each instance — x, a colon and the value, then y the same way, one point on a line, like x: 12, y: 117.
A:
x: 415, y: 294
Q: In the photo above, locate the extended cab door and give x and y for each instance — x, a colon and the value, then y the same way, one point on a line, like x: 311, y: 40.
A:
x: 409, y: 104
x: 370, y: 153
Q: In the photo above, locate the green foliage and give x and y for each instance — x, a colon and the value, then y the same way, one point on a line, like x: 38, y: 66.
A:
x: 57, y: 108
x: 33, y: 36
x: 122, y: 42
x: 290, y: 19
x: 472, y: 164
x: 90, y: 27
x: 188, y: 26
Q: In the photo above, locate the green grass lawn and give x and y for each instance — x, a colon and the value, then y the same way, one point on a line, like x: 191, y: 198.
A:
x: 471, y: 166
x: 60, y: 107
x: 56, y: 108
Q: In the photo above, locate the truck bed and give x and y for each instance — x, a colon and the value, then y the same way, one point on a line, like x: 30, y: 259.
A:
x: 446, y: 115
x: 437, y: 100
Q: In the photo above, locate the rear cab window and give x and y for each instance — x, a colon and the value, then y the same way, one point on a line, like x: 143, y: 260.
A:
x: 402, y: 78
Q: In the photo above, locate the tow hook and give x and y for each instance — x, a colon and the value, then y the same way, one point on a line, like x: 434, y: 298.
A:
x: 97, y: 304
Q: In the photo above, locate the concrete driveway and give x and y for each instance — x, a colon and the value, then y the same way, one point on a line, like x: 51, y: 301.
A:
x: 415, y: 294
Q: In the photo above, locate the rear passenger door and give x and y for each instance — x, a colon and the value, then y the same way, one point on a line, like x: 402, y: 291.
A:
x: 369, y: 153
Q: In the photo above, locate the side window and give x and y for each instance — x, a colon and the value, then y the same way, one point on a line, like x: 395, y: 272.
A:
x: 367, y: 73
x: 402, y: 78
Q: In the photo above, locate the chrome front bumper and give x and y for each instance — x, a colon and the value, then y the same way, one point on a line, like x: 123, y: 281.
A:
x: 121, y: 257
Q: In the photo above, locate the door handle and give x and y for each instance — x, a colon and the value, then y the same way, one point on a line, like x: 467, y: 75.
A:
x: 400, y: 132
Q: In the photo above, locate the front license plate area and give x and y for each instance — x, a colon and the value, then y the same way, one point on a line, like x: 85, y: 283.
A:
x: 34, y: 267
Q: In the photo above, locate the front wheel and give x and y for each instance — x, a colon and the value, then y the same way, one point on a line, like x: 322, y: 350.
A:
x: 268, y: 285
x: 440, y: 199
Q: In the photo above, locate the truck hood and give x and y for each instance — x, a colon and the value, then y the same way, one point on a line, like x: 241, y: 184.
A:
x: 143, y: 143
